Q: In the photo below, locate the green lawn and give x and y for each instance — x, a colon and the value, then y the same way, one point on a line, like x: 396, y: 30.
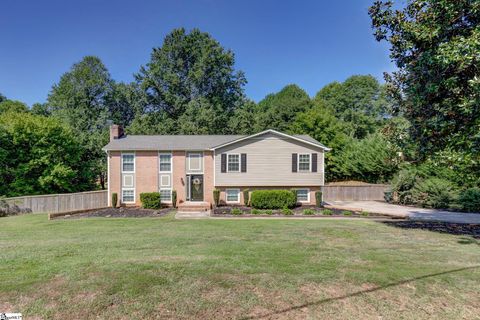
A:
x: 164, y: 268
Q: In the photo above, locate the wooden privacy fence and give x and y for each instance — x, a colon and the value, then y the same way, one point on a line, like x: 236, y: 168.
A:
x: 66, y: 202
x: 354, y: 192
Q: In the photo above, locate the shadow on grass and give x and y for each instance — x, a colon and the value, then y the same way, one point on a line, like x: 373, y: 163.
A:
x: 357, y: 293
x: 468, y: 229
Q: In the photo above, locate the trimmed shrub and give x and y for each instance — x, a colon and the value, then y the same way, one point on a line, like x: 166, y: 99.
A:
x: 402, y: 185
x: 114, y: 199
x: 318, y: 199
x: 364, y: 213
x: 308, y: 212
x: 469, y: 200
x: 150, y: 200
x: 347, y: 213
x: 287, y: 212
x: 273, y: 199
x: 174, y: 198
x: 269, y: 212
x: 434, y: 193
x: 236, y: 211
x: 246, y: 197
x: 255, y: 211
x: 327, y: 212
x: 216, y: 197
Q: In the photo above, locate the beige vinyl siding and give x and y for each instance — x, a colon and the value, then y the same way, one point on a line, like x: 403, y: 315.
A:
x: 269, y: 163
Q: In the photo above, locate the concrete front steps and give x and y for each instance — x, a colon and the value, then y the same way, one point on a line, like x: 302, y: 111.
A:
x: 193, y: 210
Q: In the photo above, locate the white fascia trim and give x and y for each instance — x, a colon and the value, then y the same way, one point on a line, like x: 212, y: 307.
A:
x: 270, y: 131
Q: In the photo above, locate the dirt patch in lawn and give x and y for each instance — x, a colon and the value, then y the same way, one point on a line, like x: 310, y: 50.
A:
x: 123, y: 212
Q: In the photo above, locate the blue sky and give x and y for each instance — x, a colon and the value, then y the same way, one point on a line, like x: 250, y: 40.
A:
x: 310, y: 43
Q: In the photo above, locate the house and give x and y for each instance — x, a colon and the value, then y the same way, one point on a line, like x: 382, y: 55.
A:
x: 195, y: 165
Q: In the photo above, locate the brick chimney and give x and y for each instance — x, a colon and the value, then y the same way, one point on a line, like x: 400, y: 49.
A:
x: 116, y: 132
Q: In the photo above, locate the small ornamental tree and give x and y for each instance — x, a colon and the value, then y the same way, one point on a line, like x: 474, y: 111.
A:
x: 174, y: 198
x: 246, y: 197
x: 318, y: 199
x: 114, y: 199
x: 216, y: 197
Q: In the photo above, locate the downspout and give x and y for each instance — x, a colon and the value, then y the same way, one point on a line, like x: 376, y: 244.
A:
x: 109, y: 198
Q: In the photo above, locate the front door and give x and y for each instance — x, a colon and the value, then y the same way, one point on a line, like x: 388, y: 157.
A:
x: 195, y: 187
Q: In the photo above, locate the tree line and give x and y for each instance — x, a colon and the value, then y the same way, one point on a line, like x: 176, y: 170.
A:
x: 425, y: 114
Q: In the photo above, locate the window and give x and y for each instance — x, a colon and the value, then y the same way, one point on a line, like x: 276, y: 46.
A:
x: 233, y: 162
x: 194, y: 161
x: 303, y: 195
x: 166, y: 195
x: 233, y: 195
x: 165, y: 180
x: 128, y: 162
x: 304, y: 162
x: 128, y: 195
x: 165, y: 162
x: 128, y: 180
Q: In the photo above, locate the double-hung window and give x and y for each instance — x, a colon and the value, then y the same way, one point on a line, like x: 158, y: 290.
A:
x: 165, y: 162
x: 233, y: 162
x: 128, y: 195
x: 304, y: 162
x: 233, y: 195
x: 303, y: 195
x: 166, y: 195
x: 128, y: 162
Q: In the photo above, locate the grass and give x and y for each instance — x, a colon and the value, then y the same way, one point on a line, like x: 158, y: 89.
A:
x: 165, y: 268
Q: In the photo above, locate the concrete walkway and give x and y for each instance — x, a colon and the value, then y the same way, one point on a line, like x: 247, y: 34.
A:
x: 407, y: 212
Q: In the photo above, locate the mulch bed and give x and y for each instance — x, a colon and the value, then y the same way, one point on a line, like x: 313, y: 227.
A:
x: 470, y: 229
x: 123, y: 212
x: 225, y: 211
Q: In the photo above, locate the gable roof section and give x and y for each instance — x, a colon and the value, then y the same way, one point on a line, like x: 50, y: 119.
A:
x: 192, y: 142
x: 302, y: 138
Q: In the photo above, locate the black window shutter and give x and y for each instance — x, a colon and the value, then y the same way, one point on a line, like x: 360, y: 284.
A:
x: 314, y: 162
x: 223, y: 166
x: 294, y: 162
x: 244, y: 162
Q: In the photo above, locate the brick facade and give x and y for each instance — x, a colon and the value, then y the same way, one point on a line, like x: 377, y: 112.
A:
x: 146, y: 173
x: 114, y: 182
x: 179, y: 180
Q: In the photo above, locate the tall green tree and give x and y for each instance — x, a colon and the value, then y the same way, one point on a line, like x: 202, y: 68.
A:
x: 81, y: 100
x: 435, y: 46
x: 244, y: 119
x: 12, y: 105
x: 41, y: 109
x: 39, y: 155
x: 124, y: 101
x: 360, y: 101
x: 191, y: 69
x: 278, y: 110
x: 2, y: 98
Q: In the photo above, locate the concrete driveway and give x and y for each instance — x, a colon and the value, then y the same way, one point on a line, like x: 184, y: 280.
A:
x: 407, y: 212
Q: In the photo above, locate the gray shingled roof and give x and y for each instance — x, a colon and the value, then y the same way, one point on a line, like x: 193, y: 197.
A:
x: 180, y: 142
